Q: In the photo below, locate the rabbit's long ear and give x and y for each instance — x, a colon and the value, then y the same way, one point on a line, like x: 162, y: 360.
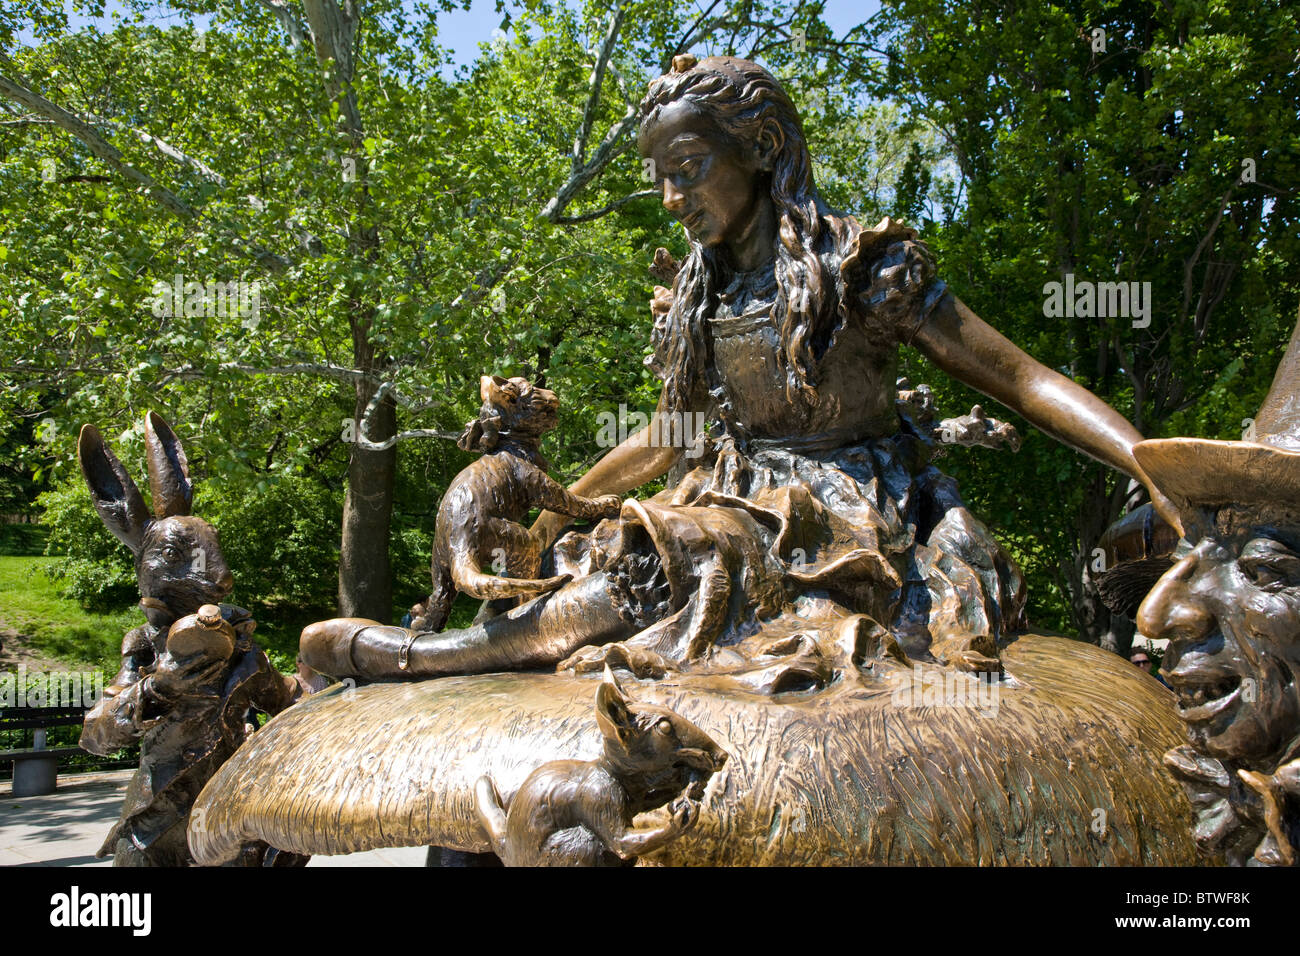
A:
x: 169, y: 472
x: 120, y: 505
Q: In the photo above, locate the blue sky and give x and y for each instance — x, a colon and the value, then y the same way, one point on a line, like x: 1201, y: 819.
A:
x: 461, y: 31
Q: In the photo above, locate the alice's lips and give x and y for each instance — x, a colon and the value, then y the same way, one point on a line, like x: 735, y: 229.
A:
x: 693, y: 220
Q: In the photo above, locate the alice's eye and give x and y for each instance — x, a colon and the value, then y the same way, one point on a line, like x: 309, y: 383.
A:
x: 690, y: 169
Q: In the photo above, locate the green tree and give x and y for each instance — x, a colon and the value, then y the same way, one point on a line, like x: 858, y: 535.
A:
x: 406, y: 232
x: 1110, y: 140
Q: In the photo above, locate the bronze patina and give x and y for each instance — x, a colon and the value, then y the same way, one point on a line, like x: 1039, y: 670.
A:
x: 1230, y: 609
x: 581, y: 812
x: 808, y: 591
x: 191, y: 676
x: 480, y: 548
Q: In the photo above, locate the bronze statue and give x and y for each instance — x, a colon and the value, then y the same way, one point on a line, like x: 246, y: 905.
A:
x: 784, y: 325
x: 191, y: 675
x: 478, y: 521
x: 579, y: 813
x: 1135, y: 552
x: 796, y: 592
x: 1230, y: 608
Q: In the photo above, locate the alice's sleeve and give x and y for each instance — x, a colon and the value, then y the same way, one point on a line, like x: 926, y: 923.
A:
x: 892, y: 279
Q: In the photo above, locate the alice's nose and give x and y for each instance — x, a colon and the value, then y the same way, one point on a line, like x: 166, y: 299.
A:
x: 1172, y: 611
x: 674, y: 198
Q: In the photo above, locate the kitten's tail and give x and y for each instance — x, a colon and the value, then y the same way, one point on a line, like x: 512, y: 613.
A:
x: 488, y: 587
x: 437, y: 606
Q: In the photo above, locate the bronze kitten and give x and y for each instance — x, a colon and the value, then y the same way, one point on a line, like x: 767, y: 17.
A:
x: 479, y: 518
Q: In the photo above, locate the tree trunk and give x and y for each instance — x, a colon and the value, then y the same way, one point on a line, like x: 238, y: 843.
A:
x: 365, y: 582
x: 1119, y: 639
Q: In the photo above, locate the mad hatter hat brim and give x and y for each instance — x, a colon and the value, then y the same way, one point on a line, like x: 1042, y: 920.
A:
x: 1202, y: 472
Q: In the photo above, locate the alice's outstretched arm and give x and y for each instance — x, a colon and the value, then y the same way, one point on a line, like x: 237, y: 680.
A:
x: 972, y: 351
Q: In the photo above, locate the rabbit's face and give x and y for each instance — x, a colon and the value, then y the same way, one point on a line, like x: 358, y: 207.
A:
x: 182, y: 566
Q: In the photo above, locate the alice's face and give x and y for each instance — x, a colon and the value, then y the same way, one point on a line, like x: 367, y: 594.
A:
x: 711, y: 184
x: 1230, y: 608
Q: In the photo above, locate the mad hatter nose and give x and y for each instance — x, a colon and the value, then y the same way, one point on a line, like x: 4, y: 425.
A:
x: 1172, y: 611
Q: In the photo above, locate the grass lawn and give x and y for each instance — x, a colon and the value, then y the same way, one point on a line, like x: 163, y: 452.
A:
x: 56, y: 627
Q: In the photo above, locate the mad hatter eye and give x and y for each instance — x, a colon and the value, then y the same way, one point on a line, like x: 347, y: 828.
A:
x: 1270, y: 564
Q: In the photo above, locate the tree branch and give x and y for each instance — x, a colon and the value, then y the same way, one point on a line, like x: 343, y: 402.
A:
x: 688, y: 36
x: 203, y: 169
x: 1190, y: 264
x: 606, y: 209
x: 109, y: 154
x: 597, y: 81
x: 332, y: 31
x: 100, y: 147
x: 288, y: 19
x: 363, y: 430
x: 614, y: 143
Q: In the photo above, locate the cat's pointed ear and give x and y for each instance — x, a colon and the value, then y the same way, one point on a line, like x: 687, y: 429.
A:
x: 120, y: 505
x: 613, y: 715
x: 490, y: 387
x: 169, y: 471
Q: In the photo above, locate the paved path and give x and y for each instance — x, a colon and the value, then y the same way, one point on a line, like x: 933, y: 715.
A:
x: 65, y: 828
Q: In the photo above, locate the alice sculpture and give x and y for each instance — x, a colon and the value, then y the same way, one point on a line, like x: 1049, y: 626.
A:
x: 809, y: 594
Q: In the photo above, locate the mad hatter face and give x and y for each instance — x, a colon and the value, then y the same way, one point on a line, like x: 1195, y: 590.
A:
x: 1230, y: 609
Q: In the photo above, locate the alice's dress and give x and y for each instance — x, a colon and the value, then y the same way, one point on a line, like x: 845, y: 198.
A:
x: 792, y: 519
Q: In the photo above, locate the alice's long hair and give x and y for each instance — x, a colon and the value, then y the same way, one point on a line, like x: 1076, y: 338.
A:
x: 740, y: 97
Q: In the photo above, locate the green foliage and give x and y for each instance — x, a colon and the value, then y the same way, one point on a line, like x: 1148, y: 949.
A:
x: 279, y: 539
x: 1118, y: 164
x: 23, y: 539
x: 93, y: 568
